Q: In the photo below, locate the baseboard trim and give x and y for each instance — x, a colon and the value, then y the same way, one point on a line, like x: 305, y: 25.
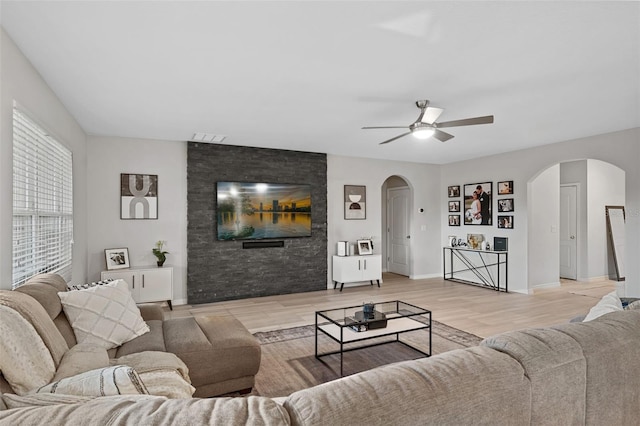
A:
x: 424, y: 276
x: 179, y: 301
x: 546, y: 285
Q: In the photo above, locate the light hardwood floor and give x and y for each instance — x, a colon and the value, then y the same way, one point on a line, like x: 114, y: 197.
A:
x: 479, y: 311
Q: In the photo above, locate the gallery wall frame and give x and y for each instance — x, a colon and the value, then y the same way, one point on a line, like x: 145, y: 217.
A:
x: 355, y: 202
x: 138, y: 196
x: 454, y: 220
x: 505, y: 205
x: 454, y: 206
x: 505, y: 187
x: 117, y: 258
x: 453, y: 191
x: 505, y: 222
x: 480, y: 212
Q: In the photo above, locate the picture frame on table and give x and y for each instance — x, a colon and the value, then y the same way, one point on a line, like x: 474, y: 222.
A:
x: 475, y: 241
x: 117, y: 258
x: 365, y: 247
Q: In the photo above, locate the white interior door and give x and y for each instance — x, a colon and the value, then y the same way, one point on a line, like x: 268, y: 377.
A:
x: 568, y: 232
x: 398, y: 241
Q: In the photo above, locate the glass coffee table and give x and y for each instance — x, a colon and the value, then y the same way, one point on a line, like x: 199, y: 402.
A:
x: 353, y: 324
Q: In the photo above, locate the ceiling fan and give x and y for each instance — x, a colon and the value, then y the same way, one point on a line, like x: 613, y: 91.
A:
x: 425, y: 126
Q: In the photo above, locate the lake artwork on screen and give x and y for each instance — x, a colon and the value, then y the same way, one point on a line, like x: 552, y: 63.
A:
x: 249, y: 211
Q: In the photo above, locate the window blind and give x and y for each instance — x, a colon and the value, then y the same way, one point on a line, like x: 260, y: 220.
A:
x: 42, y: 202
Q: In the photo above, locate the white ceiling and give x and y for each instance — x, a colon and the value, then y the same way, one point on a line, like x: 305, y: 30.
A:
x: 307, y: 75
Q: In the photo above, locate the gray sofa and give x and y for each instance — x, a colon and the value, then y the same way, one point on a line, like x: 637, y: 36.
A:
x: 570, y: 374
x: 220, y: 353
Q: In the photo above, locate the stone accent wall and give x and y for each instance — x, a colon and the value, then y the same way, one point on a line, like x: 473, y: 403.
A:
x: 223, y: 270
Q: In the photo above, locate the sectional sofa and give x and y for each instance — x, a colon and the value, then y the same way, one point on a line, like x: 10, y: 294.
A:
x: 217, y: 354
x: 584, y: 373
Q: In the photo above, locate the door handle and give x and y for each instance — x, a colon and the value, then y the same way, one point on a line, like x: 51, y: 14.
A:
x: 573, y: 237
x: 133, y: 278
x: 408, y: 236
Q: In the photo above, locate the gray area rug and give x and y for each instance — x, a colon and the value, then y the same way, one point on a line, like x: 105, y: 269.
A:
x: 289, y: 363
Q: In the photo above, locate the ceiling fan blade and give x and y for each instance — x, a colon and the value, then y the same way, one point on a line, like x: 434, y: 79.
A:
x: 430, y: 115
x: 488, y: 119
x: 385, y: 127
x: 397, y: 137
x: 442, y: 136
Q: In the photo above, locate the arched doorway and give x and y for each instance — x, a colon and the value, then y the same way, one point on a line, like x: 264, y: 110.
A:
x: 566, y: 220
x: 396, y: 213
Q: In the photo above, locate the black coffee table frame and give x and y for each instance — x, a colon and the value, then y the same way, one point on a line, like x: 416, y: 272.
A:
x: 401, y: 318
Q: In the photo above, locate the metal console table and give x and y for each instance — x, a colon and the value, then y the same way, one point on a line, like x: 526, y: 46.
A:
x: 483, y: 268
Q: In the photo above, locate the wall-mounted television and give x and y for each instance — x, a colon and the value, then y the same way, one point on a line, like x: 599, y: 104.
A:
x: 253, y: 211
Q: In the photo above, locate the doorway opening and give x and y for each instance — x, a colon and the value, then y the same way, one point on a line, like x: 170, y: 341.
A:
x: 396, y: 212
x: 567, y: 236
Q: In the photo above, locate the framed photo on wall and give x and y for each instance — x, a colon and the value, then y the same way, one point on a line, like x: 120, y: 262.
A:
x: 477, y: 203
x: 454, y: 206
x: 454, y: 220
x: 138, y: 196
x: 355, y: 202
x: 453, y: 191
x: 505, y: 205
x: 505, y: 188
x: 117, y: 258
x: 505, y: 222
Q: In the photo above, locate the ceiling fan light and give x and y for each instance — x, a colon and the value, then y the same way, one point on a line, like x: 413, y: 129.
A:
x: 423, y: 132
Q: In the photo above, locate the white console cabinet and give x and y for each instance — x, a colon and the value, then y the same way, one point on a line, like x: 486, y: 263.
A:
x: 146, y: 284
x: 350, y: 269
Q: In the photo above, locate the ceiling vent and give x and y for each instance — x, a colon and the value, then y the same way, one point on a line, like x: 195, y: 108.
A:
x: 207, y: 138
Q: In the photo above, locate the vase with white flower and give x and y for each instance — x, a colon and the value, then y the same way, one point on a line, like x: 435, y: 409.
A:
x: 160, y: 254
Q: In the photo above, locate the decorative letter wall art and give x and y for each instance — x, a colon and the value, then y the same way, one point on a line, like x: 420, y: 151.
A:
x: 138, y: 196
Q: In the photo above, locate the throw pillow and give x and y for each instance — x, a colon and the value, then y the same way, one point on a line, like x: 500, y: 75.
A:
x: 609, y: 303
x: 104, y: 315
x: 633, y: 306
x: 116, y: 380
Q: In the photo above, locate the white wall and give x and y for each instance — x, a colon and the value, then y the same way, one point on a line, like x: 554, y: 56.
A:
x: 108, y: 157
x: 19, y: 81
x: 621, y: 149
x: 543, y: 221
x: 424, y: 183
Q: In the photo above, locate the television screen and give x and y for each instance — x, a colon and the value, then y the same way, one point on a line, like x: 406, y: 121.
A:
x: 248, y: 211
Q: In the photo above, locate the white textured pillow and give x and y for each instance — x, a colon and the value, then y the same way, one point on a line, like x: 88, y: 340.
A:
x: 105, y: 315
x: 116, y: 380
x: 633, y: 306
x: 609, y: 303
